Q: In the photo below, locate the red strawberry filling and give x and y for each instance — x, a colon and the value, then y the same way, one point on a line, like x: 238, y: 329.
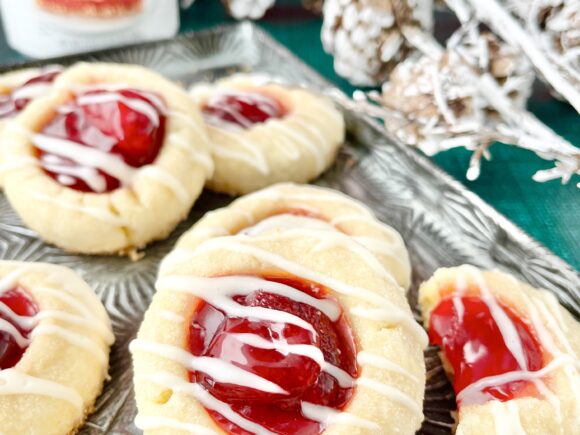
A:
x: 241, y: 109
x: 16, y: 308
x: 14, y: 102
x: 215, y: 334
x: 473, y: 343
x: 127, y: 124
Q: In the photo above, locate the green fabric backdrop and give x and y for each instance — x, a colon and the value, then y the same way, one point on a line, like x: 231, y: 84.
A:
x: 549, y: 212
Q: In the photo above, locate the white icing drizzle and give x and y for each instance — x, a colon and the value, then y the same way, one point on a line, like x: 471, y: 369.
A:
x: 67, y: 172
x: 87, y: 156
x: 286, y: 130
x: 213, y: 289
x: 224, y: 288
x: 328, y: 238
x: 203, y: 159
x: 32, y: 91
x: 219, y: 369
x: 507, y: 329
x: 183, y: 386
x: 150, y: 422
x: 13, y: 382
x: 545, y: 325
x: 393, y: 394
x: 219, y: 101
x: 164, y: 177
x: 386, y: 312
x: 73, y: 338
x: 309, y: 351
x: 368, y: 359
x: 328, y: 416
x: 250, y: 153
x: 99, y: 213
x: 143, y: 107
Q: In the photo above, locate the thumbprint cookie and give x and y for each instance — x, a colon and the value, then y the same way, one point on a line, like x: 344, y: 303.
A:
x: 261, y: 335
x: 17, y: 89
x: 306, y: 210
x: 54, y: 349
x: 511, y: 351
x: 111, y: 160
x: 263, y: 133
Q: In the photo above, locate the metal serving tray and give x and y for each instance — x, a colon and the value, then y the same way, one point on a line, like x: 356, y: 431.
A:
x: 442, y: 223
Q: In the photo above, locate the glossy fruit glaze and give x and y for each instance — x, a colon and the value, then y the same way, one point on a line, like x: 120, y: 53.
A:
x: 473, y: 345
x: 19, y: 302
x: 111, y: 126
x: 11, y: 104
x: 241, y: 109
x: 210, y: 335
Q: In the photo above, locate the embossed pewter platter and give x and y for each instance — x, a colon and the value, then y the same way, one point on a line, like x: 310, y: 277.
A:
x: 442, y: 223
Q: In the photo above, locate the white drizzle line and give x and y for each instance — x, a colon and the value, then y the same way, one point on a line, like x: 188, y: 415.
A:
x: 394, y: 249
x: 203, y: 159
x: 220, y: 370
x: 306, y: 350
x: 380, y: 362
x: 67, y: 173
x: 95, y: 212
x: 386, y: 312
x: 298, y: 137
x: 508, y: 331
x: 190, y: 122
x: 150, y: 422
x: 73, y: 338
x: 11, y: 279
x: 136, y: 104
x: 180, y: 385
x: 13, y: 382
x: 474, y: 392
x: 330, y: 238
x: 567, y: 359
x: 10, y: 329
x: 87, y: 156
x: 252, y: 156
x: 327, y: 416
x: 32, y: 91
x: 393, y: 394
x: 215, y: 289
x: 167, y: 179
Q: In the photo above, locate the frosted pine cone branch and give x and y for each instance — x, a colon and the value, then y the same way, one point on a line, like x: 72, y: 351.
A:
x: 547, y: 31
x: 469, y: 95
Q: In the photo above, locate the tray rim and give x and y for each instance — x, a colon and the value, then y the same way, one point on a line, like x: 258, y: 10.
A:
x: 264, y: 37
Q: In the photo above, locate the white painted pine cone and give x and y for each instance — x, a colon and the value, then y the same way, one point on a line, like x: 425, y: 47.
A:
x: 364, y: 36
